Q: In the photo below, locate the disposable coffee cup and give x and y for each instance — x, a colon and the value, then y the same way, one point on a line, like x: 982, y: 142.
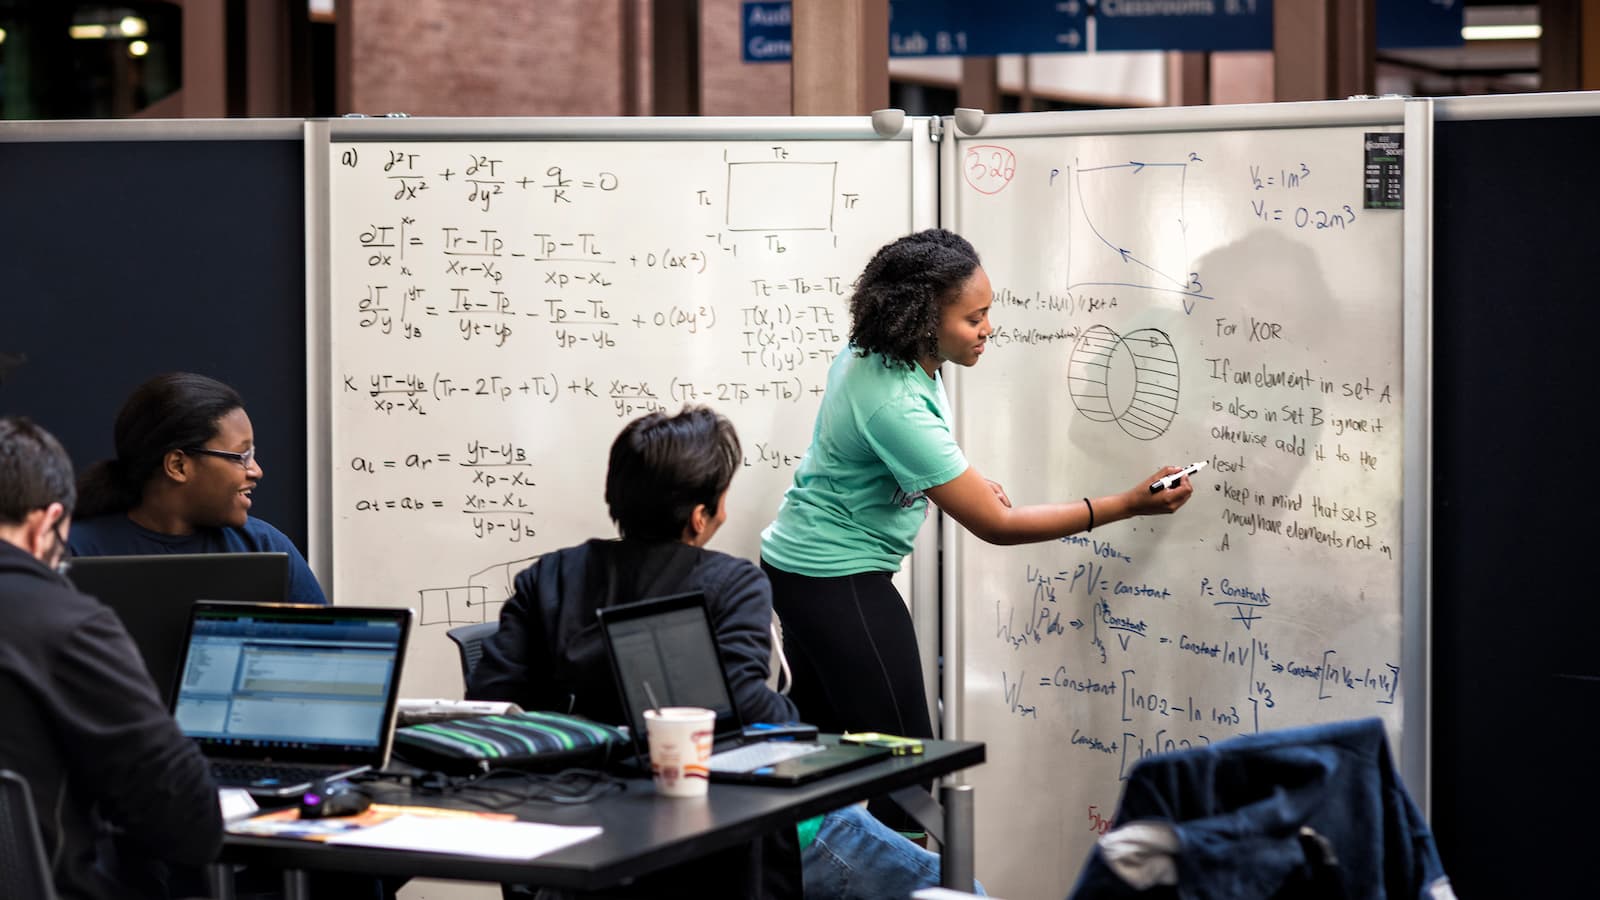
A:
x: 680, y: 747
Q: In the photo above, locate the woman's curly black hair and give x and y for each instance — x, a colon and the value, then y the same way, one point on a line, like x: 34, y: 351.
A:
x: 898, y: 300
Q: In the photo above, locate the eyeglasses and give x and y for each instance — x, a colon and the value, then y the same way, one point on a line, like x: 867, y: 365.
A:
x: 243, y: 459
x: 63, y: 550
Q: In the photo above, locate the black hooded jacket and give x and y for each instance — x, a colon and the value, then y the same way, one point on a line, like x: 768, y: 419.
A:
x: 548, y: 653
x: 115, y: 784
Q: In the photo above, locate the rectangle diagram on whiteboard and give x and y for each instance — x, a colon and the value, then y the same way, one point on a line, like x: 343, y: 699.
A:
x: 781, y: 196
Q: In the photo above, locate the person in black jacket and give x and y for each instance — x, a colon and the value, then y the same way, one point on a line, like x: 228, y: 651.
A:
x: 666, y: 488
x: 115, y: 784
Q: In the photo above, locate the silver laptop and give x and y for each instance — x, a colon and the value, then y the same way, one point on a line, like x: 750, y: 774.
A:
x: 278, y: 696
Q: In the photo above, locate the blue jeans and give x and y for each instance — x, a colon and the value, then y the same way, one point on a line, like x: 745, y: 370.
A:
x: 856, y: 857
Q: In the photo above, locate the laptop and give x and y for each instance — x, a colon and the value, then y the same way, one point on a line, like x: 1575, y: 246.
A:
x: 665, y: 650
x: 278, y: 696
x: 152, y: 594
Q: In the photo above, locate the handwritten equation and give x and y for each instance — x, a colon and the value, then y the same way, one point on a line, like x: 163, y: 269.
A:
x: 498, y: 309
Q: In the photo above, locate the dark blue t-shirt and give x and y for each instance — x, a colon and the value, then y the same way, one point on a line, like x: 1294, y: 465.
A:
x: 118, y: 535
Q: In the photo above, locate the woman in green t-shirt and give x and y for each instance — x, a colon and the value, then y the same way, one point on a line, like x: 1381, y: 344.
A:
x: 881, y: 449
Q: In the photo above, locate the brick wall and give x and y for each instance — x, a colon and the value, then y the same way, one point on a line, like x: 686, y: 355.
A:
x: 484, y: 57
x: 729, y: 86
x: 534, y: 58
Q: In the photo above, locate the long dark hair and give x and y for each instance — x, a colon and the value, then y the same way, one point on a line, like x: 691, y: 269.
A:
x: 902, y: 292
x: 663, y: 466
x: 168, y: 412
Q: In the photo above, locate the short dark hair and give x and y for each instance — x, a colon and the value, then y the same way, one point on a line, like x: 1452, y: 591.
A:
x: 902, y: 292
x: 168, y: 412
x: 35, y: 471
x: 663, y: 466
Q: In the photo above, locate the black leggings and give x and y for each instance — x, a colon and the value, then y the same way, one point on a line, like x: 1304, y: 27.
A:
x: 853, y: 654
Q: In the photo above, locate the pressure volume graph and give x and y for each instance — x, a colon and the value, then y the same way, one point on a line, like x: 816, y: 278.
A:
x: 1153, y: 254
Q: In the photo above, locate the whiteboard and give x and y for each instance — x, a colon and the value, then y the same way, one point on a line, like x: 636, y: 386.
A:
x: 1202, y: 284
x: 502, y: 297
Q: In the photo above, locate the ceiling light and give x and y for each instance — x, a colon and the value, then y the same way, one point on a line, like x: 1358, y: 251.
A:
x: 138, y: 48
x: 87, y: 32
x: 132, y: 26
x: 2, y: 35
x: 1500, y: 32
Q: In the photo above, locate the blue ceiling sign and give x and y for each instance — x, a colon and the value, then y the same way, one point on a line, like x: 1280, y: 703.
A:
x: 1183, y: 25
x: 964, y: 28
x: 767, y: 32
x: 1413, y: 24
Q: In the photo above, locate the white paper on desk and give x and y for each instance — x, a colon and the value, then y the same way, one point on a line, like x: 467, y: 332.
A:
x: 236, y: 803
x: 470, y: 837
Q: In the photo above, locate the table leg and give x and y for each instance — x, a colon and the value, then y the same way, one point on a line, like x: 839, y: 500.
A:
x: 220, y: 878
x: 955, y: 856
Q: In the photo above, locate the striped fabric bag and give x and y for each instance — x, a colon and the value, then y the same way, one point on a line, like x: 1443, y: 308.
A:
x: 537, y: 741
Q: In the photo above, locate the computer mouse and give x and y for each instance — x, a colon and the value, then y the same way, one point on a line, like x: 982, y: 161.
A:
x: 315, y: 804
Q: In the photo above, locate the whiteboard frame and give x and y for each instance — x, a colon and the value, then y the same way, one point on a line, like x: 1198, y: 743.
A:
x: 616, y: 128
x: 926, y: 589
x: 918, y: 578
x: 1416, y: 119
x: 319, y: 356
x: 42, y: 131
x: 1416, y: 526
x: 1518, y: 106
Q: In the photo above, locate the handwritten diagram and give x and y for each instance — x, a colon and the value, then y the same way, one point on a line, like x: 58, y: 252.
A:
x: 477, y: 600
x: 1131, y: 380
x: 1152, y: 253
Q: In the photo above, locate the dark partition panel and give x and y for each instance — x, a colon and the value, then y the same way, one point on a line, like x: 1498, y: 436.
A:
x: 124, y: 259
x: 1516, y: 675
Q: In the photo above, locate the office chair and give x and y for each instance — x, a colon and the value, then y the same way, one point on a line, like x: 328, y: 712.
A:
x: 24, y: 874
x: 469, y: 640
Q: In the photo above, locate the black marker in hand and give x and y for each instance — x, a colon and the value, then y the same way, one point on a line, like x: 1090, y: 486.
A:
x: 1169, y: 482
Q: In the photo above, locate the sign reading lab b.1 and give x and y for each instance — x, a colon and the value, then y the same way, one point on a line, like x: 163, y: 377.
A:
x: 964, y: 28
x: 938, y: 28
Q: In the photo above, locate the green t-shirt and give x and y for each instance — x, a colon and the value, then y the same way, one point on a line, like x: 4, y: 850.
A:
x: 882, y: 437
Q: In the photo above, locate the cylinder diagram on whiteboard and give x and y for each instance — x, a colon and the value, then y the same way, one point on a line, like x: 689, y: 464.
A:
x: 1130, y: 379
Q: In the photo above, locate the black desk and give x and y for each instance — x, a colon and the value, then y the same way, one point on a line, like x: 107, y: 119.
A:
x: 642, y: 832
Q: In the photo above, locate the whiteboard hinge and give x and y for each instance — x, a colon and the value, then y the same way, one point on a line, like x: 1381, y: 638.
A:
x: 935, y: 128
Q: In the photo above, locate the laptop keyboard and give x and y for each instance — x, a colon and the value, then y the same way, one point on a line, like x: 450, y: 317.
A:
x: 750, y: 757
x: 228, y: 774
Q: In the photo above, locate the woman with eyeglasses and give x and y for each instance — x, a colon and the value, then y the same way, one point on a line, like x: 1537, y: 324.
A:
x: 181, y: 481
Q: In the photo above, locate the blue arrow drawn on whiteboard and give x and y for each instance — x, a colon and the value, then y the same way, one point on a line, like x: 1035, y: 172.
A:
x: 1076, y: 623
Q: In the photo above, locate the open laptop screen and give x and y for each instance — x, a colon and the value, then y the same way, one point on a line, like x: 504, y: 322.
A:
x: 305, y: 683
x: 152, y: 594
x: 668, y: 643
